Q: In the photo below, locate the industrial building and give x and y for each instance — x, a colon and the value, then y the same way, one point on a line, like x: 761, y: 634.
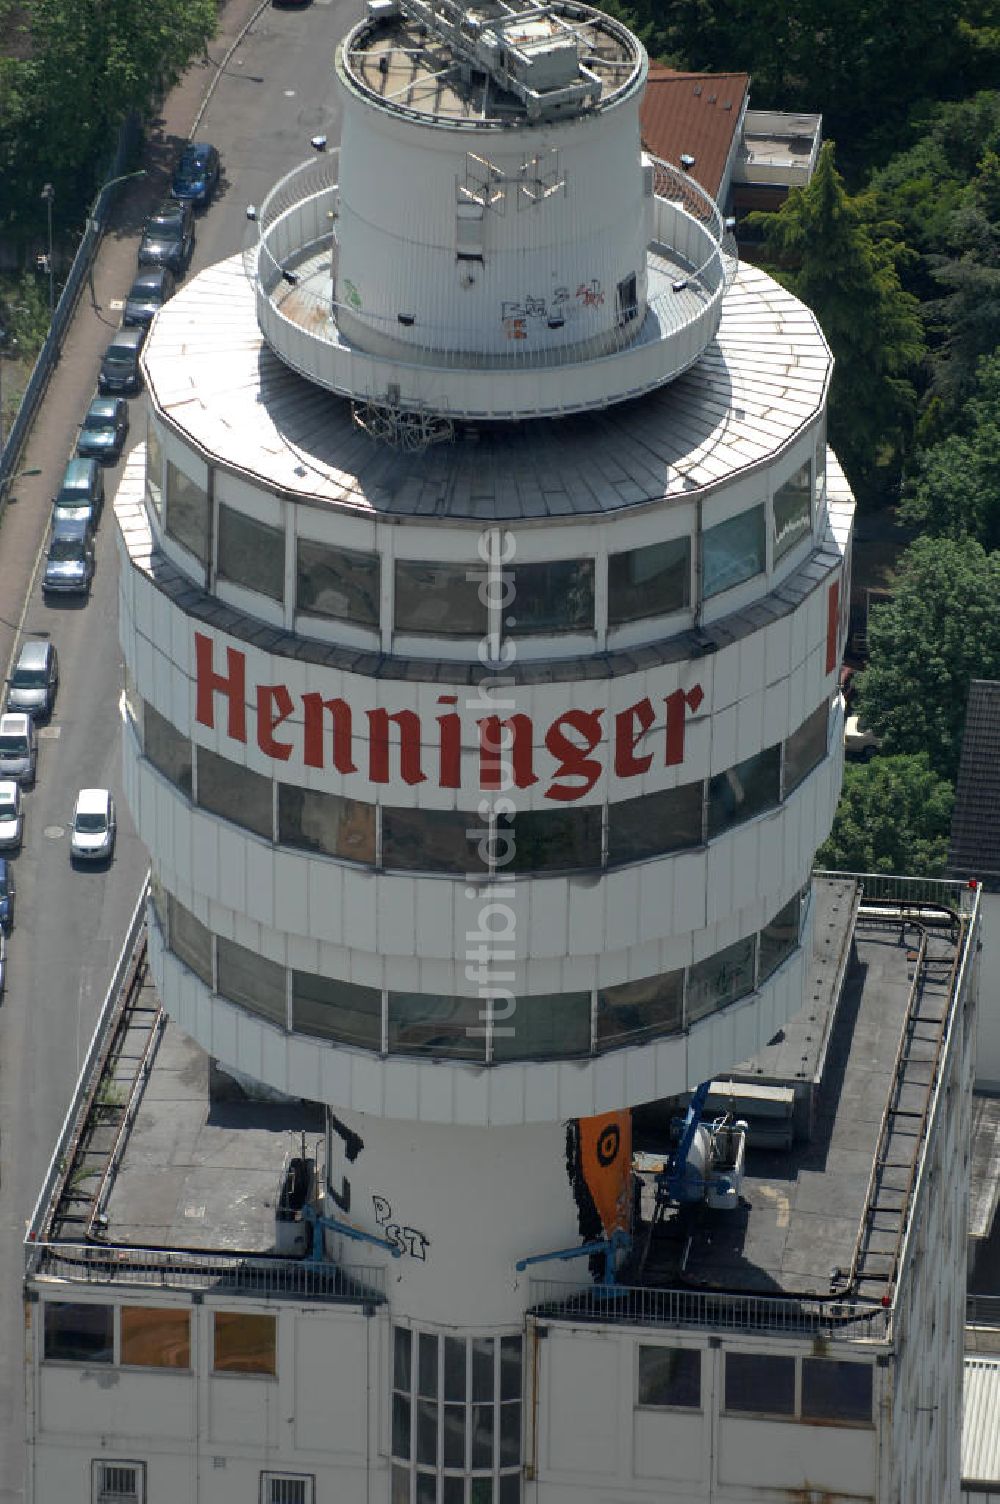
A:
x: 499, y: 1109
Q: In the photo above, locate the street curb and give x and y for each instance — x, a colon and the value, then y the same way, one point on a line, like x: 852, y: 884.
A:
x: 221, y: 68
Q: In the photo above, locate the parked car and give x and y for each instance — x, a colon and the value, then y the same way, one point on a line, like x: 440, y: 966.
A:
x: 104, y: 430
x: 8, y: 892
x: 92, y: 837
x: 147, y: 295
x: 196, y: 175
x: 18, y: 747
x: 168, y: 236
x: 33, y: 684
x: 120, y: 371
x: 859, y: 739
x: 80, y: 498
x: 11, y: 815
x: 69, y: 564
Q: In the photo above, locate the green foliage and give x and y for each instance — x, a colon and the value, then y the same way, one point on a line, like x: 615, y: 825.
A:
x: 940, y: 630
x: 955, y: 488
x: 86, y: 64
x: 894, y: 815
x: 922, y: 187
x: 864, y: 63
x: 968, y: 316
x: 844, y: 265
x: 24, y: 312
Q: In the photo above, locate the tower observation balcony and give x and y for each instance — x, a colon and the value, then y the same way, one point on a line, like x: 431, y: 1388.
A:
x: 453, y: 257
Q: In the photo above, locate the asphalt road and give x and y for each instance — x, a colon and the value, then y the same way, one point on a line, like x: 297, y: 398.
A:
x: 275, y: 93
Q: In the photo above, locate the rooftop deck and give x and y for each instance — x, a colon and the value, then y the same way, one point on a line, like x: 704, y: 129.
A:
x: 816, y: 1241
x: 161, y: 1177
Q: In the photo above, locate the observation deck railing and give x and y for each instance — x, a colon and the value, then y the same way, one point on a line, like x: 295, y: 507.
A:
x: 299, y: 315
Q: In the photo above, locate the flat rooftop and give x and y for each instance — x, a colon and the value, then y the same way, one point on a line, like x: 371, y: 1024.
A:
x: 167, y: 1165
x: 803, y: 1227
x: 760, y: 383
x: 402, y: 65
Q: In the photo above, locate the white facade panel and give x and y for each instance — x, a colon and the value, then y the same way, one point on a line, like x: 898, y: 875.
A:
x: 581, y: 1376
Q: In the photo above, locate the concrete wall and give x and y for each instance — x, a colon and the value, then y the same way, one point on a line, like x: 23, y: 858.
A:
x: 988, y: 1024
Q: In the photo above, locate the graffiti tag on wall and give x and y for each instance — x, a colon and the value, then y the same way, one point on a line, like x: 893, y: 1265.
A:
x: 407, y: 1239
x: 515, y: 315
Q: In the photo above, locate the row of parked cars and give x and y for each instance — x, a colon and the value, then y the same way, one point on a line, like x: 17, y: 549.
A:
x: 165, y: 252
x: 164, y: 255
x: 31, y: 694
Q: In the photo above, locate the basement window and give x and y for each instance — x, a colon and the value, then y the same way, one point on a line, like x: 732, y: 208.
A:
x: 117, y: 1482
x: 287, y: 1488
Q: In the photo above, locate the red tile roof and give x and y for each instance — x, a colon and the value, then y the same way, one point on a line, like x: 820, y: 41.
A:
x: 697, y: 113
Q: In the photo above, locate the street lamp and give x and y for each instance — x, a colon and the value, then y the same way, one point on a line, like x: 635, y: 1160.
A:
x: 94, y: 227
x: 8, y: 480
x: 48, y: 194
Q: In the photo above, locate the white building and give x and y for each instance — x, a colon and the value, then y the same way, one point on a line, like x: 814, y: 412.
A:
x: 483, y: 591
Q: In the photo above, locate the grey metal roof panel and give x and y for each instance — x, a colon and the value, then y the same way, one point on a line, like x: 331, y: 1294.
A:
x: 764, y: 377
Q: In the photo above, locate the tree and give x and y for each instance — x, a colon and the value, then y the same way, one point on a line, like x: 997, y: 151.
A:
x: 82, y: 66
x: 940, y: 630
x: 894, y: 815
x: 922, y: 187
x: 969, y: 314
x: 844, y: 266
x: 955, y: 489
x: 864, y: 63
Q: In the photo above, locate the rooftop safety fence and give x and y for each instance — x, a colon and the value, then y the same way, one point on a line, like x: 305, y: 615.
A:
x: 101, y: 1263
x: 631, y: 1305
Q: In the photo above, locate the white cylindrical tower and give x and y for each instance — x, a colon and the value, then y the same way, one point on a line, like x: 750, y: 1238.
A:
x: 467, y: 220
x: 482, y: 725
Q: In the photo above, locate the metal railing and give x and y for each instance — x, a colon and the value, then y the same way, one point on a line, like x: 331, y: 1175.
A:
x: 189, y: 1269
x: 86, y: 1079
x: 298, y: 219
x: 911, y: 892
x: 851, y: 1320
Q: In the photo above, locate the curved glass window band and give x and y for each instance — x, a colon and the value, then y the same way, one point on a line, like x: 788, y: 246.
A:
x: 461, y: 844
x: 496, y: 1027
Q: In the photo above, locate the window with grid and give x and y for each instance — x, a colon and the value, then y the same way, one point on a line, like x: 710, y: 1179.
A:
x: 456, y: 1419
x: 119, y: 1482
x: 286, y: 1488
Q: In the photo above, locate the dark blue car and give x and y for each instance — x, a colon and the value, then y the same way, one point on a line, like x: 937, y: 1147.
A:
x: 197, y: 174
x: 6, y: 894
